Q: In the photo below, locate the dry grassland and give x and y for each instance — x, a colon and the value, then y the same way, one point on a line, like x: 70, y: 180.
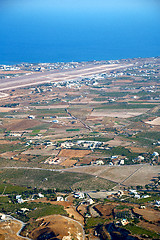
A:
x: 72, y: 212
x: 120, y: 113
x: 148, y: 214
x: 149, y: 226
x: 8, y: 142
x: 42, y: 152
x: 7, y: 109
x: 137, y: 149
x: 8, y: 154
x: 117, y: 142
x: 143, y: 176
x: 129, y: 175
x: 95, y: 118
x: 61, y: 203
x: 20, y: 125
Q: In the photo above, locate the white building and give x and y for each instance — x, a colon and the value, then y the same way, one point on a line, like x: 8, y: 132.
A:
x: 79, y: 195
x: 40, y: 195
x: 155, y: 154
x: 90, y: 201
x: 121, y: 162
x: 124, y: 222
x: 157, y: 204
x: 137, y: 196
x: 132, y: 191
x: 145, y: 196
x: 99, y: 162
x: 31, y: 117
x: 2, y: 216
x: 60, y: 199
x: 19, y: 199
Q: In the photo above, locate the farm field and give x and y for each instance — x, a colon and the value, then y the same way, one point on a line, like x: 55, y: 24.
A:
x: 53, y: 179
x: 81, y: 139
x: 148, y: 214
x: 120, y: 113
x: 126, y: 175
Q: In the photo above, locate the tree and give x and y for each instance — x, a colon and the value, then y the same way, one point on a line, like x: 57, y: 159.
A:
x: 139, y: 187
x: 146, y: 186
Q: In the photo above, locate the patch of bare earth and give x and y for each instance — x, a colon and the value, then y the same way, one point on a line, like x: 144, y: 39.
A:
x: 118, y: 142
x: 73, y: 153
x: 42, y: 152
x: 156, y: 121
x: 22, y: 124
x: 105, y: 210
x: 8, y: 154
x: 7, y: 109
x: 149, y: 226
x: 9, y: 229
x: 8, y: 142
x: 58, y: 227
x: 137, y: 149
x: 68, y: 163
x: 73, y: 213
x: 148, y: 214
x: 120, y: 113
x: 69, y: 154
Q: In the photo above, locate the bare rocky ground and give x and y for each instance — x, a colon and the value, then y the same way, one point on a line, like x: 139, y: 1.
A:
x: 58, y: 227
x: 9, y: 229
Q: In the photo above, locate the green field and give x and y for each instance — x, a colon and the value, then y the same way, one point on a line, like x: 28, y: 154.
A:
x: 141, y: 231
x: 93, y: 222
x: 9, y: 147
x: 120, y: 151
x: 124, y: 106
x: 45, y: 210
x: 92, y: 138
x: 48, y: 179
x: 73, y: 130
x: 9, y: 189
x: 154, y: 136
x: 36, y: 210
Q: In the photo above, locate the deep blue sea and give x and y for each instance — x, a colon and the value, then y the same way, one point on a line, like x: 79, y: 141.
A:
x: 78, y: 30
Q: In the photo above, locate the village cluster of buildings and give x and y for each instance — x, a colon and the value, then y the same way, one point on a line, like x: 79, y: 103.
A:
x: 136, y: 195
x: 82, y: 144
x: 20, y: 199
